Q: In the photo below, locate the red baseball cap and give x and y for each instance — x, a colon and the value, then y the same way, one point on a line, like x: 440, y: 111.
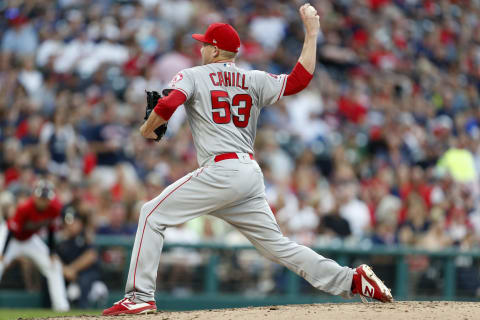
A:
x: 222, y: 35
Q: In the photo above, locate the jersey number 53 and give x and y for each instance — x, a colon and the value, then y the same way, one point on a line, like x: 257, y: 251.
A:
x: 242, y: 101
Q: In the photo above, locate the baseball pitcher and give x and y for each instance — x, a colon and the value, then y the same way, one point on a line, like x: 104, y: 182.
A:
x: 18, y: 237
x: 223, y: 103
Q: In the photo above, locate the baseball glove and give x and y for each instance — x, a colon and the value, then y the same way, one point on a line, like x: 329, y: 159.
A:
x: 152, y: 99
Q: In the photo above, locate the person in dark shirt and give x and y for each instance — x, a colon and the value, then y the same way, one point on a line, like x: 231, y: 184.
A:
x: 80, y: 261
x: 335, y: 225
x: 107, y: 139
x: 118, y: 225
x: 58, y: 138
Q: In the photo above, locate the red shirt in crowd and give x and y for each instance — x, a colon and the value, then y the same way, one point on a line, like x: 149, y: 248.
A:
x: 28, y: 220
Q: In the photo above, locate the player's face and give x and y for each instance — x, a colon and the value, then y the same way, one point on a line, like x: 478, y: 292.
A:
x: 73, y: 227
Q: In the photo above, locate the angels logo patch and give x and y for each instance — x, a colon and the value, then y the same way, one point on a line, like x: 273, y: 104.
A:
x: 178, y: 77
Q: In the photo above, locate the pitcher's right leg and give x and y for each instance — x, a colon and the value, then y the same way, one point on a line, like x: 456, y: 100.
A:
x: 142, y: 275
x: 198, y: 193
x: 145, y: 258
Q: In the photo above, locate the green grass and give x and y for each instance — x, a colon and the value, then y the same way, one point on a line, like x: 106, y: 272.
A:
x: 14, y: 314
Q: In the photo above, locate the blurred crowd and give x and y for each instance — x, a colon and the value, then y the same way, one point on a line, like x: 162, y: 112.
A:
x: 382, y: 148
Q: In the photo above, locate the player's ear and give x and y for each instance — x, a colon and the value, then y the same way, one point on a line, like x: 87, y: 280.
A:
x: 216, y: 52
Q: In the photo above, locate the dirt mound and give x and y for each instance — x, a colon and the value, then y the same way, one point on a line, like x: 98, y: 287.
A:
x: 393, y: 311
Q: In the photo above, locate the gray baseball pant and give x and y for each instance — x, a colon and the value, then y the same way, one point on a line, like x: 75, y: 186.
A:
x: 36, y: 250
x: 232, y: 190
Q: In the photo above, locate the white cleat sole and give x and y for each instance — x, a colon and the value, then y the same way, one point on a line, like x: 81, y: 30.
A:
x: 148, y: 312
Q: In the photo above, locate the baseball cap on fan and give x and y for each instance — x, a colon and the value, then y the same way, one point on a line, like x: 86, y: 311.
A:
x: 222, y: 35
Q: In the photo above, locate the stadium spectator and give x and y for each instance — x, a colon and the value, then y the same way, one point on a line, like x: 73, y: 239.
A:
x: 118, y: 223
x: 20, y: 38
x: 81, y: 267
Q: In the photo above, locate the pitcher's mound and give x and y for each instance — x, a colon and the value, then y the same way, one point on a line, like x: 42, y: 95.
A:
x: 349, y: 311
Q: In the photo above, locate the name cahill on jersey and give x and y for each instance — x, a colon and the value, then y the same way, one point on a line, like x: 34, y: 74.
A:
x: 228, y: 79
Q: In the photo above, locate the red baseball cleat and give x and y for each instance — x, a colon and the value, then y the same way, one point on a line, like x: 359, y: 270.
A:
x: 368, y: 285
x: 127, y: 306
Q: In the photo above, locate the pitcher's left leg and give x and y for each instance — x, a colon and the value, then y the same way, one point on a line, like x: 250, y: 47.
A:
x: 255, y: 220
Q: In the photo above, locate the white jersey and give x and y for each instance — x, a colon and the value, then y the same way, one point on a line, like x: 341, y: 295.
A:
x: 223, y: 104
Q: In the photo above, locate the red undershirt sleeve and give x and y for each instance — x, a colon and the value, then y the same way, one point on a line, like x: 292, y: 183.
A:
x: 166, y: 106
x: 15, y: 223
x: 297, y: 80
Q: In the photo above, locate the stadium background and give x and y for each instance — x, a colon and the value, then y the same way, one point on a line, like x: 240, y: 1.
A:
x: 379, y: 156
